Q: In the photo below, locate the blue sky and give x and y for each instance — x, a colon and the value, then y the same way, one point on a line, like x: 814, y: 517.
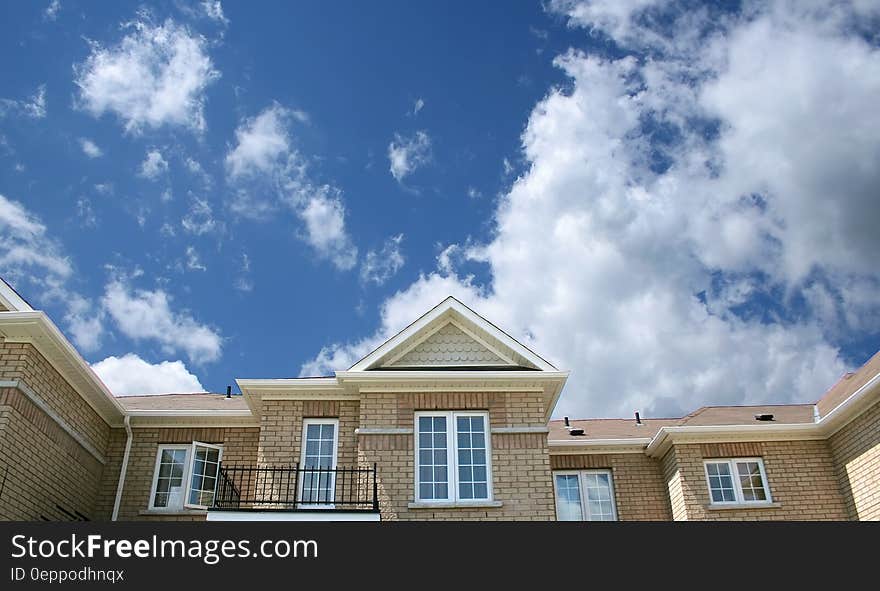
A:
x: 201, y: 191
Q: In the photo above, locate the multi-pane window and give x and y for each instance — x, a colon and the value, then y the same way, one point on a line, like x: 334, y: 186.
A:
x: 185, y: 476
x: 585, y: 495
x: 737, y: 481
x: 452, y: 453
x: 318, y: 461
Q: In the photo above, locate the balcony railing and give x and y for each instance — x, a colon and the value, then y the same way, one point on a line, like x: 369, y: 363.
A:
x: 294, y: 488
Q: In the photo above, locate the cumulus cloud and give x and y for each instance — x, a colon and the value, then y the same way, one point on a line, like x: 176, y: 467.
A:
x: 155, y: 76
x: 51, y: 11
x: 407, y: 154
x: 687, y: 223
x: 263, y: 160
x: 147, y: 315
x: 381, y: 265
x: 261, y: 142
x: 154, y: 165
x: 130, y: 375
x: 90, y: 148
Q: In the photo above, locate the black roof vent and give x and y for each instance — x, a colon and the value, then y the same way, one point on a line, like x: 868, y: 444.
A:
x: 576, y: 431
x: 765, y: 417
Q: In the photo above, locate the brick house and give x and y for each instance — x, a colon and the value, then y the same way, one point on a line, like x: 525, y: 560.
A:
x: 448, y: 420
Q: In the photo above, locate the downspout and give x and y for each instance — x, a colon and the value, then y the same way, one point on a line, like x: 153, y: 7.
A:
x: 123, y: 469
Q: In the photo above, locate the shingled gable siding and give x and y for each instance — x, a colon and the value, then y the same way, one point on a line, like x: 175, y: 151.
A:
x: 856, y: 453
x: 801, y: 476
x: 239, y: 447
x: 49, y: 474
x: 520, y: 461
x: 639, y: 488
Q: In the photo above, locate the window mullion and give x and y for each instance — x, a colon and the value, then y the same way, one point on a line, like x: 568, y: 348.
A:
x: 737, y: 485
x: 585, y: 505
x: 452, y: 450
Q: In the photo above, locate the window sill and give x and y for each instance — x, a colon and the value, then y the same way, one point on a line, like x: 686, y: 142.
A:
x: 185, y: 512
x: 741, y: 506
x: 456, y: 505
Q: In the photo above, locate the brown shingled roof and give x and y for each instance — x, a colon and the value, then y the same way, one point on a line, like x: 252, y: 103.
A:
x: 608, y: 429
x: 848, y: 385
x: 745, y: 415
x: 200, y: 401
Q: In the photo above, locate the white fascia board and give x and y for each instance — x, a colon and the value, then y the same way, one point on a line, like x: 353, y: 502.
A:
x: 43, y: 333
x: 847, y: 410
x: 287, y: 383
x: 11, y: 300
x: 359, y: 377
x: 176, y: 412
x: 666, y: 436
x: 633, y: 441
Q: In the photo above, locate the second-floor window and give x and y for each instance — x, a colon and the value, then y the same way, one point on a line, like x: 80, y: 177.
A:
x: 584, y: 495
x: 318, y: 480
x: 737, y: 481
x: 452, y: 457
x: 185, y: 476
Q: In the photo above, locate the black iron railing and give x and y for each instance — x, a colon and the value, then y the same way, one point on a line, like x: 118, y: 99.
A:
x: 295, y: 488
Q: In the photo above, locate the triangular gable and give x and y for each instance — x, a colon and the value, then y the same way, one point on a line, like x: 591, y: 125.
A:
x: 451, y: 335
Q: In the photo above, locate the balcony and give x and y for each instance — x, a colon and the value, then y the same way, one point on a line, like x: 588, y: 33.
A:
x: 295, y: 493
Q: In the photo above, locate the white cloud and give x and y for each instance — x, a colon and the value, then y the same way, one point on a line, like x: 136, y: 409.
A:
x: 30, y: 257
x: 51, y: 11
x: 90, y: 148
x: 147, y: 315
x: 213, y: 9
x: 130, y: 375
x: 200, y: 218
x: 86, y: 213
x: 647, y: 281
x: 418, y: 105
x: 324, y: 216
x: 263, y: 162
x: 154, y: 164
x: 193, y: 260
x: 407, y: 154
x: 243, y: 281
x: 155, y: 76
x: 381, y: 265
x: 34, y: 107
x: 261, y: 143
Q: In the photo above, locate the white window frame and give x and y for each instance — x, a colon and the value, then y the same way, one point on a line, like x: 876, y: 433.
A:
x: 585, y: 513
x: 452, y: 455
x: 187, y: 474
x: 302, y: 460
x: 737, y: 486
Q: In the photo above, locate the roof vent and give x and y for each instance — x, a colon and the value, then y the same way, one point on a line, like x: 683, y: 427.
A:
x: 229, y: 391
x: 576, y: 431
x: 638, y: 420
x: 567, y: 424
x: 766, y: 417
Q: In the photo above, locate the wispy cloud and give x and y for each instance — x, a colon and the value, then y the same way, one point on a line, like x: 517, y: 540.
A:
x: 154, y: 165
x: 407, y: 154
x: 35, y: 107
x: 381, y: 265
x: 51, y: 11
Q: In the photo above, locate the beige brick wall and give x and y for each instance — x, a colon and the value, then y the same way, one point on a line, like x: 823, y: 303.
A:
x: 856, y: 452
x: 22, y: 361
x: 800, y: 473
x: 639, y: 486
x: 239, y: 446
x: 46, y: 473
x: 281, y: 429
x: 520, y: 461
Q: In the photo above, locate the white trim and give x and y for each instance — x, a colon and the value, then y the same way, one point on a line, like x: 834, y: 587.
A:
x: 196, y: 444
x: 633, y: 441
x: 302, y: 461
x: 452, y: 456
x: 585, y: 512
x: 447, y: 307
x: 39, y: 403
x: 385, y: 375
x: 293, y: 516
x: 35, y: 328
x: 514, y: 430
x: 123, y: 469
x: 10, y: 299
x: 737, y: 485
x: 455, y: 505
x: 219, y: 413
x: 833, y: 421
x: 383, y: 431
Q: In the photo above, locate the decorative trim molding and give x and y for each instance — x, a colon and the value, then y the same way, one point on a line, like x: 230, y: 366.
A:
x: 512, y: 430
x: 384, y: 431
x: 457, y: 505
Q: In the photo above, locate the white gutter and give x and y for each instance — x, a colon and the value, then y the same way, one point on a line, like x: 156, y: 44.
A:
x: 598, y: 442
x: 123, y: 469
